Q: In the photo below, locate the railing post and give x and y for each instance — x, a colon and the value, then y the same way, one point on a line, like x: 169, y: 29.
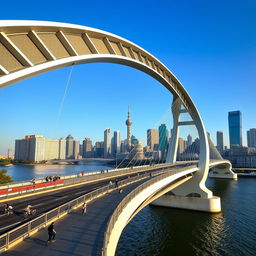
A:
x: 7, y: 240
x: 29, y: 227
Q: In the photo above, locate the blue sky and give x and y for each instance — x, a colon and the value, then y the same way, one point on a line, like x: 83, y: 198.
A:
x: 209, y: 45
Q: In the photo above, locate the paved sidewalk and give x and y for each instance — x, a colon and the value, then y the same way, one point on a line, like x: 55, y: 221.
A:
x: 77, y: 235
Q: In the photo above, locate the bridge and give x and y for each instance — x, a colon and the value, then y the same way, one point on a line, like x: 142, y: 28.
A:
x: 76, y: 161
x: 139, y: 190
x: 29, y: 48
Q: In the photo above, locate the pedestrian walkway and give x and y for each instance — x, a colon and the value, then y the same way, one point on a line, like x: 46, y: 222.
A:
x: 77, y: 234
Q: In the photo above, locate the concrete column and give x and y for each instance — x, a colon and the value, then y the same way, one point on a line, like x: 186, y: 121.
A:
x: 173, y: 146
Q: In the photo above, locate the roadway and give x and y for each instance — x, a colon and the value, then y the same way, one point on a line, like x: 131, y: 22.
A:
x: 47, y: 201
x: 77, y: 235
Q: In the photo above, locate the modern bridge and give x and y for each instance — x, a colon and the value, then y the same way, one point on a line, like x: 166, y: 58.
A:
x: 102, y: 228
x: 29, y: 48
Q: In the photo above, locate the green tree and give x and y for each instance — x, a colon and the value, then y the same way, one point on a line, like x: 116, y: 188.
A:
x: 4, y: 178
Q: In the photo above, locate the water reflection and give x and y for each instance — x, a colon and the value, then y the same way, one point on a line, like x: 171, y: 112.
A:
x: 160, y: 231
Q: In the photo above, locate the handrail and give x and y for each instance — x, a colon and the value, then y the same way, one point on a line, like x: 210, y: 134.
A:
x: 29, y: 228
x: 128, y: 198
x: 89, y: 177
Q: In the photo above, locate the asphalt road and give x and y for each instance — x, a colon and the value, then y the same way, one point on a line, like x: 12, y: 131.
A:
x: 46, y: 202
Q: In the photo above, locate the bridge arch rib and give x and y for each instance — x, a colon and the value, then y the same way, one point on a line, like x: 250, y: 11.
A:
x: 29, y: 48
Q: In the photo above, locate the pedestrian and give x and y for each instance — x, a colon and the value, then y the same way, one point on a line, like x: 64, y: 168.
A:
x: 110, y: 183
x: 51, y: 233
x: 6, y: 206
x: 116, y: 183
x: 84, y: 208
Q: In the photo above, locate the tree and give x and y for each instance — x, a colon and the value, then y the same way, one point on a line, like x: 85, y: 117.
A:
x: 4, y: 178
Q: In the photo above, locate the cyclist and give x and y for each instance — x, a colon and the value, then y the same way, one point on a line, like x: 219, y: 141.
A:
x: 28, y: 209
x: 10, y: 210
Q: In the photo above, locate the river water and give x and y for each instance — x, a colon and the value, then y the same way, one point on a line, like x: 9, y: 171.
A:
x: 170, y: 232
x: 159, y: 231
x: 28, y: 172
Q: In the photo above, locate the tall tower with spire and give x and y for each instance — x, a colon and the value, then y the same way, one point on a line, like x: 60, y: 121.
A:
x: 129, y: 125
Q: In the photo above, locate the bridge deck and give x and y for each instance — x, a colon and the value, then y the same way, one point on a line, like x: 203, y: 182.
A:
x: 76, y: 234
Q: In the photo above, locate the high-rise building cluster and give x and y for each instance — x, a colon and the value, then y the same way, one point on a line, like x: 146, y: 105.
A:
x: 239, y: 155
x: 36, y: 148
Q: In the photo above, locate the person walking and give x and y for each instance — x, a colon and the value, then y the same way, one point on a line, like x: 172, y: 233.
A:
x: 51, y: 233
x: 116, y: 183
x: 84, y: 208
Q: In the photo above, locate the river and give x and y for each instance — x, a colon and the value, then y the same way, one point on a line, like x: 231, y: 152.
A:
x: 159, y: 231
x: 171, y: 232
x: 28, y: 172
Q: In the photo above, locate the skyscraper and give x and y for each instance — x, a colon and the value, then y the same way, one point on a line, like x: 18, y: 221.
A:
x: 107, y: 143
x: 152, y: 138
x: 189, y: 140
x: 76, y: 149
x: 134, y: 140
x: 251, y: 137
x: 69, y: 147
x: 220, y: 141
x: 235, y: 128
x: 36, y: 148
x: 163, y: 139
x: 129, y: 125
x: 87, y: 147
x: 181, y: 146
x: 117, y: 143
x: 62, y: 148
x: 99, y: 149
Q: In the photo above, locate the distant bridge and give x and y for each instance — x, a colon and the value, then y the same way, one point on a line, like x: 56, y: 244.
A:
x: 68, y: 161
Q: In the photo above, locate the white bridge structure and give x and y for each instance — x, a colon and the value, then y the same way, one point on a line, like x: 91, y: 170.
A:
x: 30, y: 48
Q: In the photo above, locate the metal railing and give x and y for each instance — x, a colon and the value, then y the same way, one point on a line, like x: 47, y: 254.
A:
x: 26, y: 229
x: 128, y: 198
x: 89, y: 177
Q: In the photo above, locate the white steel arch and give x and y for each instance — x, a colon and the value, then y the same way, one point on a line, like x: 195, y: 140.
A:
x: 29, y: 48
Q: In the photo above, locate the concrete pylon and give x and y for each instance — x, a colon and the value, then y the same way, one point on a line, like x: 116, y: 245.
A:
x: 173, y: 146
x: 192, y: 194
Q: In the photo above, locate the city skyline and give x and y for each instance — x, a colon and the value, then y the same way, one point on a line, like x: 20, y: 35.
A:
x: 195, y: 51
x: 145, y: 140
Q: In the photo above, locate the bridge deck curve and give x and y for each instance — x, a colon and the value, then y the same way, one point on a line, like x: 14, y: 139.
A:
x: 76, y: 234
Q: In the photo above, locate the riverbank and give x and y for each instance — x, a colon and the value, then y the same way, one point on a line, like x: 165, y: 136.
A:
x: 24, y: 172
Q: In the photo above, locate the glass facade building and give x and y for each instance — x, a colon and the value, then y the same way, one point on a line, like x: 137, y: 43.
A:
x: 163, y: 138
x: 220, y: 141
x: 235, y: 128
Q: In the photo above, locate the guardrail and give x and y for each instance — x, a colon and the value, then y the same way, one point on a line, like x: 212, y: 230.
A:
x: 18, y: 234
x: 81, y: 179
x: 127, y: 199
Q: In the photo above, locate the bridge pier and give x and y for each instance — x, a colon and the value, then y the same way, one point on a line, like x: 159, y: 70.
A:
x: 211, y: 205
x: 191, y: 195
x: 222, y: 173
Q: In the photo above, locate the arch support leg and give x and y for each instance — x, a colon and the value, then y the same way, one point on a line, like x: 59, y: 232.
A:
x: 190, y: 196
